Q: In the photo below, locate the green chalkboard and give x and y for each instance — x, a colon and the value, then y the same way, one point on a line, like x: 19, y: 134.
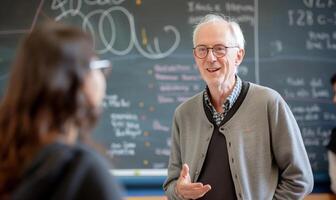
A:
x: 291, y: 47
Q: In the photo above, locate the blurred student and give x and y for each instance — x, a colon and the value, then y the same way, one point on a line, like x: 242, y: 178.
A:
x: 48, y: 110
x: 332, y: 144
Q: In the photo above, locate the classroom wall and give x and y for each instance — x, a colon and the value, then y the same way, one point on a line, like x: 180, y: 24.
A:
x: 290, y: 47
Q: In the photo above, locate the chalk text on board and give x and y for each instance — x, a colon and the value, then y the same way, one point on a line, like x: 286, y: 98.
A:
x: 319, y: 3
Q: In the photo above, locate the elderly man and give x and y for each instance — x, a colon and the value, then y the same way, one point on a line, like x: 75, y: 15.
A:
x: 235, y: 139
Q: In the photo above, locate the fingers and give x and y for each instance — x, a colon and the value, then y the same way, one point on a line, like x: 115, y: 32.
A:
x: 207, y: 188
x: 190, y: 186
x: 194, y: 190
x: 187, y: 189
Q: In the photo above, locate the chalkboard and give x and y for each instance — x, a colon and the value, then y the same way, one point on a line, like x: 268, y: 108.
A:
x: 291, y: 47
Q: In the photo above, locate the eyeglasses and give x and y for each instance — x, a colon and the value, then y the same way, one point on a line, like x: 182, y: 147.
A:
x: 218, y: 50
x: 103, y: 65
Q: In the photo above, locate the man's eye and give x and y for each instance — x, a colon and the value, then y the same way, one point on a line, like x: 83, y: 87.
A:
x: 219, y: 48
x: 202, y: 49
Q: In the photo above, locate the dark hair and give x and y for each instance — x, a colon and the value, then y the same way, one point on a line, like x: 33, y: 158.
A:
x: 44, y: 95
x: 333, y: 79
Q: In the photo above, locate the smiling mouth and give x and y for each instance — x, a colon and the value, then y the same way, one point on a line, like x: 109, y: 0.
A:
x: 211, y: 70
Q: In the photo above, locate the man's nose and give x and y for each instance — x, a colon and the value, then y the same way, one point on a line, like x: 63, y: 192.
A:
x: 211, y: 57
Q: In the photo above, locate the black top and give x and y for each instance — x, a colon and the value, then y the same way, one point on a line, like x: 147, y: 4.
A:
x: 216, y: 169
x: 332, y: 143
x: 62, y: 172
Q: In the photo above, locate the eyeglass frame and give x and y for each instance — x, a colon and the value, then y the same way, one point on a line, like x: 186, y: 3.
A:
x: 104, y: 66
x: 213, y: 52
x: 99, y: 64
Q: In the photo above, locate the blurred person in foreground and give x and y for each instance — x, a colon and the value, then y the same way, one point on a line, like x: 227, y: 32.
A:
x: 48, y: 110
x: 332, y: 144
x: 235, y: 139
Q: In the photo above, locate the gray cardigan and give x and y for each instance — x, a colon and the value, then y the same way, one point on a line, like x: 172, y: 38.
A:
x: 263, y: 140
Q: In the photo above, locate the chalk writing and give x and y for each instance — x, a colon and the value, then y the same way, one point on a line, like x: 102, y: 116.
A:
x: 124, y: 148
x: 125, y: 125
x: 75, y: 10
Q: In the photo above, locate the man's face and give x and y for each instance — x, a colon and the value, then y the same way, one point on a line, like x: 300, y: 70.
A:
x: 334, y: 89
x: 217, y: 71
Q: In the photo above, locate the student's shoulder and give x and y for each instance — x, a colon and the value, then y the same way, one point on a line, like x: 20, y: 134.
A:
x: 89, y: 155
x: 75, y: 155
x: 97, y: 182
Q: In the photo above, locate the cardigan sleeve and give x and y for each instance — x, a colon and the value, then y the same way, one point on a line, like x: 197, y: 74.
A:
x: 332, y: 170
x: 175, y: 163
x: 295, y: 173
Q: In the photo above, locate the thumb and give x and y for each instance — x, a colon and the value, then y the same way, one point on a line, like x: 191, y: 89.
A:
x: 185, y: 171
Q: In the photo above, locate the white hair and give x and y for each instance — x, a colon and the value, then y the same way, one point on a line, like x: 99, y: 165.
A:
x: 235, y: 29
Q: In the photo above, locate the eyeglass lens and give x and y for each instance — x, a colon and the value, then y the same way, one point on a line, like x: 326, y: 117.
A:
x: 201, y: 51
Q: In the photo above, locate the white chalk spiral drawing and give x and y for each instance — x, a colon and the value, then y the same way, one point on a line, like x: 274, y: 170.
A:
x: 74, y: 10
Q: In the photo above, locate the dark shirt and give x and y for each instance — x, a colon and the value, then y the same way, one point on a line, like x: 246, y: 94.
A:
x: 216, y: 169
x: 332, y: 142
x: 62, y: 172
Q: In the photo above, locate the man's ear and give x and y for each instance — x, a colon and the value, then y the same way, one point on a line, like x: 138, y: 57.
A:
x: 239, y: 56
